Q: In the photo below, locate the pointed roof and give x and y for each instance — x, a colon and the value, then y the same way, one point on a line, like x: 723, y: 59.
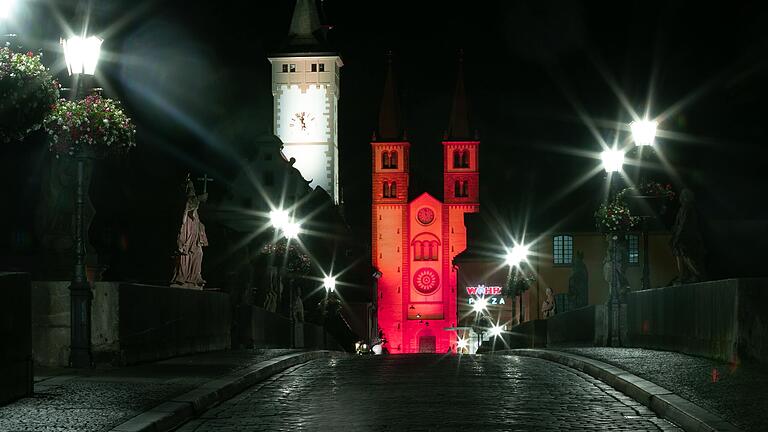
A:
x: 390, y: 119
x: 458, y: 126
x: 306, y: 34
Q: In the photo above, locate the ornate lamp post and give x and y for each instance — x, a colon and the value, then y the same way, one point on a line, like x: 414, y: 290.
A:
x: 81, y: 56
x: 284, y: 224
x: 644, y: 135
x: 613, y: 160
x: 514, y: 259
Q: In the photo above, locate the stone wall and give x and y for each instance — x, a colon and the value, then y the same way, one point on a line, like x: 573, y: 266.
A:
x: 16, y: 378
x: 260, y: 328
x: 130, y: 323
x: 586, y: 326
x: 530, y: 334
x: 725, y: 320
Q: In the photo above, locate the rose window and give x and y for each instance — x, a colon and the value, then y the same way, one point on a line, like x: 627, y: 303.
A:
x: 426, y: 280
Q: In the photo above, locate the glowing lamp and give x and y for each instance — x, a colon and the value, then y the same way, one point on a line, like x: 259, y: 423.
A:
x: 279, y: 218
x: 329, y: 283
x: 291, y: 230
x: 612, y: 160
x: 496, y: 331
x: 517, y: 255
x: 6, y: 6
x: 462, y: 343
x: 480, y: 305
x: 81, y: 54
x: 643, y: 131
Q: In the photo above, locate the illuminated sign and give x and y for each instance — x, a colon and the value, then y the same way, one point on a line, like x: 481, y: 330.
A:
x: 492, y: 294
x: 482, y: 290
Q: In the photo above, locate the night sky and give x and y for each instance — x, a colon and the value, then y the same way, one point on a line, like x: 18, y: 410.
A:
x: 196, y: 80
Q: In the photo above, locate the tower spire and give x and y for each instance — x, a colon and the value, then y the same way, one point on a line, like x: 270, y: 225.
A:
x: 458, y: 126
x: 390, y: 122
x: 304, y: 24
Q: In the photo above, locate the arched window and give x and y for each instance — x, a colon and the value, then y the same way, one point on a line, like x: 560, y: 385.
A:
x: 385, y: 189
x: 385, y: 160
x: 465, y: 159
x: 465, y: 188
x: 393, y: 190
x: 457, y: 189
x: 433, y: 248
x: 393, y: 160
x: 417, y: 251
x: 456, y: 159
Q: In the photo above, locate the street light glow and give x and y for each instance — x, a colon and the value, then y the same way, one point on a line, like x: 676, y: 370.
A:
x: 461, y: 343
x: 329, y: 283
x: 496, y: 331
x: 6, y: 6
x: 644, y: 131
x: 612, y: 160
x: 291, y: 230
x: 517, y: 255
x: 81, y: 54
x: 480, y: 304
x: 279, y: 218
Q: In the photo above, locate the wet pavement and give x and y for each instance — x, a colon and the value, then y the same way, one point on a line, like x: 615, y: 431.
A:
x: 736, y: 392
x: 99, y: 399
x: 429, y: 393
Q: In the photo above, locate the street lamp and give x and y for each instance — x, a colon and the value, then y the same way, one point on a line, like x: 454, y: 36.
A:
x: 329, y: 283
x: 480, y: 305
x: 6, y: 7
x: 496, y: 330
x: 613, y: 160
x: 517, y: 255
x: 643, y: 132
x: 81, y: 56
x: 279, y: 218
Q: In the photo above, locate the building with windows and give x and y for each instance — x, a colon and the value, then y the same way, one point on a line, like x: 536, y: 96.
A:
x: 416, y: 237
x: 552, y: 260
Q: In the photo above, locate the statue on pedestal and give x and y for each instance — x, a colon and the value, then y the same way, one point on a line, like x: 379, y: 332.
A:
x: 616, y: 244
x: 578, y: 283
x: 687, y: 244
x: 188, y: 258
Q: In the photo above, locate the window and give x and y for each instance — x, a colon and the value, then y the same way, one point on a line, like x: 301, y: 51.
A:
x: 562, y: 249
x: 465, y: 159
x: 393, y: 160
x: 385, y: 160
x: 393, y: 190
x: 314, y: 67
x: 389, y: 160
x: 389, y: 190
x: 269, y: 178
x: 285, y: 68
x: 385, y: 189
x: 425, y: 250
x: 322, y: 67
x: 461, y: 189
x: 633, y: 249
x: 292, y: 67
x: 456, y: 159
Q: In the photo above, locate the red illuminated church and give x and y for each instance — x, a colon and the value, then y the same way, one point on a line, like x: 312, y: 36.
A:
x: 414, y: 240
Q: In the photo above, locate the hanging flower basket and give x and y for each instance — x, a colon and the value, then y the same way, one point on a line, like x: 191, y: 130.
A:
x: 93, y: 127
x: 28, y: 93
x: 288, y: 256
x: 615, y: 216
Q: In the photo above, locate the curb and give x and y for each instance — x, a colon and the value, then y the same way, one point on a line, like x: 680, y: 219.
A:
x: 175, y: 411
x: 666, y: 404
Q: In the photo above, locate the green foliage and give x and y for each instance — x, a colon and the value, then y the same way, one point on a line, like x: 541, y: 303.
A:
x: 518, y: 283
x: 288, y: 256
x: 614, y: 216
x: 28, y: 93
x: 93, y: 126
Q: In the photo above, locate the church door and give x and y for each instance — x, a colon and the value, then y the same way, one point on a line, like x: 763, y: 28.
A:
x: 427, y: 344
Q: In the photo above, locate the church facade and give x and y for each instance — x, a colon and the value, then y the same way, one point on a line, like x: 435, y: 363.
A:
x: 414, y: 240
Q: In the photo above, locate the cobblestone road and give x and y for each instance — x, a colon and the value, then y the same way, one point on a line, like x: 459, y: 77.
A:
x: 429, y: 393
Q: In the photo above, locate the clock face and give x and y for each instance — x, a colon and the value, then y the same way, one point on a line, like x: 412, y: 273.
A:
x: 302, y: 116
x: 425, y: 216
x: 303, y: 122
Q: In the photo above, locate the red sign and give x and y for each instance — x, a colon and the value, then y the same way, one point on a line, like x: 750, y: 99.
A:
x: 482, y: 290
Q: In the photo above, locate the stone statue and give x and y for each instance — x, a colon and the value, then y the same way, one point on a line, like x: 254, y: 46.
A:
x: 621, y: 274
x: 548, y: 305
x: 687, y: 244
x: 274, y: 289
x: 190, y: 242
x: 578, y: 283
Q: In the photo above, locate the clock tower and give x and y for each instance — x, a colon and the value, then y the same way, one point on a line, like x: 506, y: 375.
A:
x: 305, y: 88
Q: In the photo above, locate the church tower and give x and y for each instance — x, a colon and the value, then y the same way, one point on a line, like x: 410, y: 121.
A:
x: 389, y: 213
x: 415, y: 240
x: 305, y: 88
